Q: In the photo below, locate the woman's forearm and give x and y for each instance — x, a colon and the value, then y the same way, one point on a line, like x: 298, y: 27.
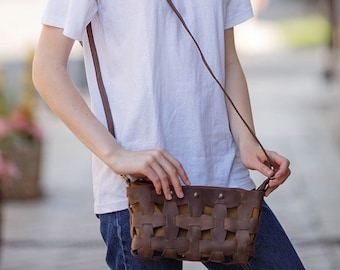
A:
x: 237, y: 89
x: 56, y: 88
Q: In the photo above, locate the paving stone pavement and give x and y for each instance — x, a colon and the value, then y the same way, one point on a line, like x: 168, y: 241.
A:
x: 296, y: 113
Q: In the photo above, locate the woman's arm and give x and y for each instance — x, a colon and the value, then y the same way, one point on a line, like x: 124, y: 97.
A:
x: 251, y: 154
x: 56, y: 88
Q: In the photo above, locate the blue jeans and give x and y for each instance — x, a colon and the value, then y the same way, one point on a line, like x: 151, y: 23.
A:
x: 273, y: 248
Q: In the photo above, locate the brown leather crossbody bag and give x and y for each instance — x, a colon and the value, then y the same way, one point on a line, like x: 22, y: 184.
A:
x: 209, y: 224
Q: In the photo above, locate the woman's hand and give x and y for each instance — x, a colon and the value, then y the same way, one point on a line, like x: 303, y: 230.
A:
x: 156, y: 165
x: 254, y: 158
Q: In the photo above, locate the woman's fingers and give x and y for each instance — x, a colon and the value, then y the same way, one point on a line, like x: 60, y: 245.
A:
x: 158, y: 166
x: 169, y: 172
x: 281, y: 171
x: 275, y: 183
x: 254, y: 158
x: 264, y: 169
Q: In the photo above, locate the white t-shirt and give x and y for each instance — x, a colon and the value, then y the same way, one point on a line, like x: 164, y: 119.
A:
x: 160, y: 93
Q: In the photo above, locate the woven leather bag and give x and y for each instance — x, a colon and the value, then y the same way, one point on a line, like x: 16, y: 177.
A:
x: 209, y: 224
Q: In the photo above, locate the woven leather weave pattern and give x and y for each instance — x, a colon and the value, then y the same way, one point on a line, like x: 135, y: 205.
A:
x: 208, y: 224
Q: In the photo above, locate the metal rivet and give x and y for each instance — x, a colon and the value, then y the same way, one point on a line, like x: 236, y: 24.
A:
x: 196, y: 195
x: 221, y: 196
x: 171, y: 192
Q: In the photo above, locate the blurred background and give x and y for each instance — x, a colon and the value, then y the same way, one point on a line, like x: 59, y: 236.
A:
x: 290, y: 54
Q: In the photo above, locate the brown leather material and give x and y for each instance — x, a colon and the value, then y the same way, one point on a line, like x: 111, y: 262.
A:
x: 208, y: 224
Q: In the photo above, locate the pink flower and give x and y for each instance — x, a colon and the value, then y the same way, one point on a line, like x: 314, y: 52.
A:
x: 5, y: 127
x: 36, y: 132
x: 21, y: 122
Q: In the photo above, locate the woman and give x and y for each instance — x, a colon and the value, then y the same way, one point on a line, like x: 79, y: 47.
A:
x: 172, y: 123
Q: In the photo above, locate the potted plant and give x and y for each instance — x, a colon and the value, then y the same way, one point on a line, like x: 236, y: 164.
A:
x: 20, y: 139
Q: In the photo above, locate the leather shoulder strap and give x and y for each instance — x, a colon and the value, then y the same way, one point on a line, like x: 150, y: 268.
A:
x: 102, y: 91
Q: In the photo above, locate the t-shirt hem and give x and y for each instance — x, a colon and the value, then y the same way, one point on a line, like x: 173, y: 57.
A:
x: 247, y: 184
x: 110, y: 207
x: 52, y: 21
x: 56, y: 23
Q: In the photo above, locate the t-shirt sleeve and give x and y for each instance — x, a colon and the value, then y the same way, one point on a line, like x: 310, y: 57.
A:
x: 70, y: 15
x: 236, y: 12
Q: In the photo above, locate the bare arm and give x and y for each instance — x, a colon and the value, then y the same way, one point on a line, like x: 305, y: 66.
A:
x: 56, y: 88
x: 251, y: 154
